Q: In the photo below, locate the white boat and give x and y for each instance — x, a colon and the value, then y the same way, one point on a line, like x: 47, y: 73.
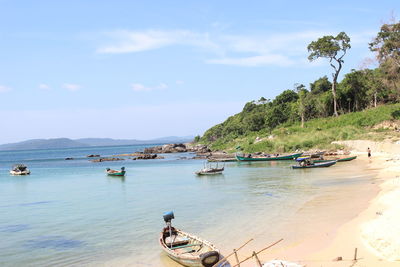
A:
x: 187, y: 249
x: 20, y: 169
x: 209, y: 170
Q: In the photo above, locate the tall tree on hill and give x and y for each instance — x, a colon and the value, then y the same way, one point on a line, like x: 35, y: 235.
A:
x: 333, y: 48
x: 387, y: 47
x: 387, y: 43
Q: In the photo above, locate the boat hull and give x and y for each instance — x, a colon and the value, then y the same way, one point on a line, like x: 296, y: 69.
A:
x: 316, y: 165
x: 208, y: 173
x: 20, y: 173
x: 188, y: 259
x: 287, y: 157
x: 121, y: 173
x: 338, y: 160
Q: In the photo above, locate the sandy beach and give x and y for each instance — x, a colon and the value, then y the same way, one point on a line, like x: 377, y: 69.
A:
x: 374, y: 231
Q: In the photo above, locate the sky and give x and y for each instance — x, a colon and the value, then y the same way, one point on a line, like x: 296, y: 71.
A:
x: 148, y: 69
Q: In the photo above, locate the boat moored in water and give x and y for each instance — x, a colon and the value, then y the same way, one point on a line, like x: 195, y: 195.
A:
x: 209, y: 170
x: 337, y: 159
x: 20, y: 169
x: 115, y: 172
x: 187, y: 249
x: 306, y: 162
x: 270, y: 158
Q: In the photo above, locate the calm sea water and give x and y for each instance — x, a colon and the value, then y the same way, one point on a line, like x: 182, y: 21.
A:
x: 69, y: 213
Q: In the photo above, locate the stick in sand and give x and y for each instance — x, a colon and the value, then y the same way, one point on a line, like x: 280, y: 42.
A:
x: 259, y: 252
x: 224, y: 258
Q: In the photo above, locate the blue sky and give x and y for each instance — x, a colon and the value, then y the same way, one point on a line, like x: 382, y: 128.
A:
x: 147, y: 69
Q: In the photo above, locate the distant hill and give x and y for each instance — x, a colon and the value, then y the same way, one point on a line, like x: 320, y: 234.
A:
x: 124, y: 142
x: 43, y: 144
x: 55, y: 143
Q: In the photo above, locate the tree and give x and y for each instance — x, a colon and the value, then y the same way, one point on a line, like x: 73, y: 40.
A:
x: 320, y: 86
x: 333, y: 48
x: 387, y: 43
x: 387, y: 47
x: 301, y: 107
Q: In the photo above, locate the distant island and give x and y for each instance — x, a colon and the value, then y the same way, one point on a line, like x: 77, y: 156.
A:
x: 54, y: 143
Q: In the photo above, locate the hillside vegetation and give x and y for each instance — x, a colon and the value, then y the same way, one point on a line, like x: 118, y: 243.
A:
x: 317, y: 133
x: 314, y: 116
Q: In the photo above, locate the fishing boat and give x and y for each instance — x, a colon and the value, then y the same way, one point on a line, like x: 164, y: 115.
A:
x: 115, y: 172
x: 270, y: 158
x: 305, y: 163
x: 20, y: 169
x: 222, y: 160
x: 337, y: 159
x: 187, y: 249
x: 209, y: 170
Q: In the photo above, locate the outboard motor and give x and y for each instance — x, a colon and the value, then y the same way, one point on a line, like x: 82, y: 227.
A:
x: 168, y: 216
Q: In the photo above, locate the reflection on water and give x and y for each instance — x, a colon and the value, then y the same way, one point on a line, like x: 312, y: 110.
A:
x: 76, y: 215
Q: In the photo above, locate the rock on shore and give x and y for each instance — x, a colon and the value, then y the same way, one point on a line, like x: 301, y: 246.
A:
x: 177, y: 148
x: 147, y: 156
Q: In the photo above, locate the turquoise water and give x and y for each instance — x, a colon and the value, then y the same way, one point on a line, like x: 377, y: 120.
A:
x: 69, y: 213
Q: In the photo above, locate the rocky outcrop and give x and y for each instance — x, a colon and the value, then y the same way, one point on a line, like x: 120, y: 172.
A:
x: 177, y: 148
x: 106, y: 159
x: 147, y: 156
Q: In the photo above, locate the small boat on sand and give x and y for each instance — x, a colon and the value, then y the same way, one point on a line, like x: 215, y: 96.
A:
x: 305, y: 163
x: 337, y: 159
x: 187, y: 249
x: 20, y: 169
x: 270, y: 158
x: 115, y: 172
x: 209, y: 170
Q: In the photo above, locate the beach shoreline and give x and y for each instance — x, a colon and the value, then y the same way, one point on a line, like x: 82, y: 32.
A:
x: 370, y: 236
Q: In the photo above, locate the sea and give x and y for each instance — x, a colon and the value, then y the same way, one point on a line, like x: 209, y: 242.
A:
x: 70, y: 213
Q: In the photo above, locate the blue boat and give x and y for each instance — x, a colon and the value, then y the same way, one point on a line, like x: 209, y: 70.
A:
x: 306, y: 162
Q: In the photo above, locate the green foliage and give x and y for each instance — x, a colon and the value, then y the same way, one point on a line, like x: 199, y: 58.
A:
x: 321, y: 85
x: 317, y: 133
x: 301, y: 118
x: 329, y: 47
x: 387, y: 43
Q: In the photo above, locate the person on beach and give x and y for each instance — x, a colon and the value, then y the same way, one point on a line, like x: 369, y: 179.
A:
x: 369, y: 153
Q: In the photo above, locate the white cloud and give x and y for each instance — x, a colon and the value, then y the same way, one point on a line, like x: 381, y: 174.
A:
x: 4, y: 89
x: 44, y: 86
x: 138, y: 87
x: 71, y: 87
x: 138, y: 41
x: 276, y: 49
x: 179, y: 82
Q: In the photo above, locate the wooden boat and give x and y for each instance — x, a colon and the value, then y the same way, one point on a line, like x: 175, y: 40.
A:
x: 305, y: 163
x: 209, y: 170
x: 285, y: 157
x: 20, y: 169
x: 187, y: 249
x: 115, y: 172
x: 222, y: 160
x: 337, y: 159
